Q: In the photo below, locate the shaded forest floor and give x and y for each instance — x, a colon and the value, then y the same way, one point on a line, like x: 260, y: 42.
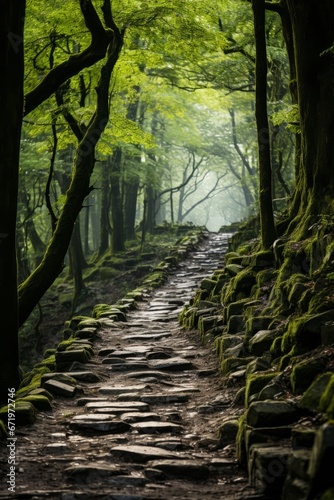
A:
x: 107, y: 280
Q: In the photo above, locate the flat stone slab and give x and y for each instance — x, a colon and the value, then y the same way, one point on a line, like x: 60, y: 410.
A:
x: 134, y: 405
x: 93, y: 471
x: 129, y: 366
x: 84, y: 376
x: 59, y: 388
x: 122, y: 389
x: 180, y: 468
x: 141, y: 454
x: 132, y: 417
x: 151, y: 336
x: 110, y: 426
x: 164, y: 398
x: 96, y: 417
x: 149, y: 374
x: 156, y: 427
x: 172, y: 364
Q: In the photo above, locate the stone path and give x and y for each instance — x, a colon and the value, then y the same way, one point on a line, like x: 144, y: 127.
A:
x: 144, y: 426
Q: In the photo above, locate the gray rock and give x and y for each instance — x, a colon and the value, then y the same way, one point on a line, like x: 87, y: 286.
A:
x: 271, y: 413
x: 129, y: 366
x: 262, y: 341
x: 156, y: 427
x: 122, y: 389
x: 164, y: 398
x: 133, y: 405
x: 108, y: 426
x: 172, y: 364
x: 60, y: 389
x: 140, y: 453
x: 132, y: 417
x: 188, y: 469
x: 268, y: 468
x: 92, y: 472
x: 228, y: 432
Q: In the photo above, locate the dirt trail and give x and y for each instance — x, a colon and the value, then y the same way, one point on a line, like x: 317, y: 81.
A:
x: 146, y: 426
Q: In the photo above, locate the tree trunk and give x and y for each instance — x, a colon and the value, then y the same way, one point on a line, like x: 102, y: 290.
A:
x: 130, y: 206
x: 104, y: 211
x: 11, y: 105
x: 117, y: 237
x: 31, y: 291
x: 313, y: 30
x: 77, y: 264
x: 268, y: 232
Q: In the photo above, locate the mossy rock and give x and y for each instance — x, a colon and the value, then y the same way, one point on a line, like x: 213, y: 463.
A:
x: 311, y: 398
x: 326, y: 401
x: 227, y: 432
x: 40, y: 403
x: 276, y: 347
x: 88, y: 323
x: 260, y: 364
x: 41, y: 392
x: 74, y: 322
x: 261, y: 259
x: 233, y: 269
x: 239, y: 398
x: 231, y: 255
x: 48, y: 353
x: 257, y: 323
x: 262, y: 341
x: 304, y: 373
x: 232, y: 364
x: 305, y: 332
x: 255, y: 382
x: 32, y: 381
x: 241, y: 440
x: 25, y: 413
x: 328, y: 495
x: 49, y: 362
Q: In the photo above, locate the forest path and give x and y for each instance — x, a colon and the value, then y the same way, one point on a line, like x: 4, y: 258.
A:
x: 146, y: 428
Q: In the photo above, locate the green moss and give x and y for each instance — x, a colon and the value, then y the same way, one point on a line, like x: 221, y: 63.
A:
x: 31, y: 381
x: 255, y: 383
x: 241, y: 441
x: 49, y: 362
x: 40, y: 403
x: 275, y: 349
x: 232, y: 364
x: 326, y: 401
x: 312, y: 396
x: 305, y: 332
x: 328, y: 495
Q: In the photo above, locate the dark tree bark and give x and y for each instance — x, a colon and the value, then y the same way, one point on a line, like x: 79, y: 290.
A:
x: 267, y: 224
x: 130, y: 206
x: 11, y: 105
x: 313, y: 31
x: 117, y: 237
x: 104, y: 210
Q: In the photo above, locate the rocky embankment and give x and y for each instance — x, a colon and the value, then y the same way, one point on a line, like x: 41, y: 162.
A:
x: 270, y: 318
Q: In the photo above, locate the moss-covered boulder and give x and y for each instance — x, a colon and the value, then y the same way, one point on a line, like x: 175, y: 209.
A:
x: 305, y: 332
x: 227, y: 432
x: 256, y: 382
x: 327, y: 398
x: 271, y: 413
x: 232, y: 364
x: 262, y: 341
x: 305, y: 372
x: 40, y: 402
x: 312, y: 396
x: 25, y: 413
x: 31, y: 381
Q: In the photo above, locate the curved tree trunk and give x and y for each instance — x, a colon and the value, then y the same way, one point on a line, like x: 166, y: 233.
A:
x: 11, y: 105
x: 31, y: 291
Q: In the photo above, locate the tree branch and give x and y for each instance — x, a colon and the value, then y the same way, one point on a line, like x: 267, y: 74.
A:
x: 96, y: 51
